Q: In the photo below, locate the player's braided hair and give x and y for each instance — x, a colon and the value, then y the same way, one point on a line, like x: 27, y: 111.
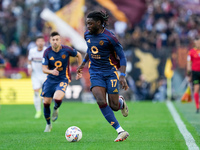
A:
x: 99, y: 15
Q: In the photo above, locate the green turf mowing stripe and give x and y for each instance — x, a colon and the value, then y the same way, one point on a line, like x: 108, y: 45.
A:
x: 150, y: 126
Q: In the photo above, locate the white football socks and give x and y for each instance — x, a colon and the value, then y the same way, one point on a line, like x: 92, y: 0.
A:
x: 37, y: 101
x: 119, y: 129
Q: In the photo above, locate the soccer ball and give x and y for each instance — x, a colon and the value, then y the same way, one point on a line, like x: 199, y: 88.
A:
x: 73, y: 134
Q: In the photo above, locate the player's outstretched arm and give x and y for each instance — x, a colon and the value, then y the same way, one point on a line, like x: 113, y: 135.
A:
x: 79, y: 58
x: 79, y: 71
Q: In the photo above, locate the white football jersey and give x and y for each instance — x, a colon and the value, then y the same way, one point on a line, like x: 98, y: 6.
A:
x: 36, y: 57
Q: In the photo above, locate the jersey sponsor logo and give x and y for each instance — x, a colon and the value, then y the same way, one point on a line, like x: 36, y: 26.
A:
x: 94, y: 50
x: 60, y: 69
x: 96, y: 56
x: 112, y: 123
x: 101, y: 43
x: 37, y: 59
x: 63, y: 56
x: 51, y: 58
x: 115, y: 90
x: 58, y: 64
x: 88, y: 41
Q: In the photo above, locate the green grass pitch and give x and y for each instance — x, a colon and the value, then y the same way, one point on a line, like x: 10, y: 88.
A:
x: 150, y: 125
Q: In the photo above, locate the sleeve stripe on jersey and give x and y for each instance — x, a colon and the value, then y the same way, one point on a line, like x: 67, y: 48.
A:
x: 111, y: 35
x: 68, y: 75
x: 68, y: 49
x: 47, y: 51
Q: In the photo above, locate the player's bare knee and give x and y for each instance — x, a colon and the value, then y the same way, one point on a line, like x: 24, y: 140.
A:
x: 114, y: 107
x: 101, y: 103
x: 47, y: 100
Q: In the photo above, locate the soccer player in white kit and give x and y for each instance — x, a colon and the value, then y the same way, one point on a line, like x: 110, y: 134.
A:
x: 35, y: 70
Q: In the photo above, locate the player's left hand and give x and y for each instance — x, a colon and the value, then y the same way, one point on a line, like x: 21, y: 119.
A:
x: 122, y: 81
x: 78, y: 76
x: 79, y: 72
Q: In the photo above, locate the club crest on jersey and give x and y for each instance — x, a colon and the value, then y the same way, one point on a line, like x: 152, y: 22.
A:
x: 63, y: 56
x: 101, y: 42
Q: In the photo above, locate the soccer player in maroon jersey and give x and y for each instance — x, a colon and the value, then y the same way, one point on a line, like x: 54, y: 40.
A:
x: 193, y: 69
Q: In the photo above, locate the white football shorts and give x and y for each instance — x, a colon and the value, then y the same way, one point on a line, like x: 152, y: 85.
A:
x: 37, y: 81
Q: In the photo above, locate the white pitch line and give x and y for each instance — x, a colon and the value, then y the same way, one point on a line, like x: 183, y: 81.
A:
x: 190, y: 142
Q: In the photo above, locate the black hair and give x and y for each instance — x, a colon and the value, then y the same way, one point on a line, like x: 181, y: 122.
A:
x: 39, y: 37
x: 54, y: 34
x: 99, y: 15
x: 197, y: 37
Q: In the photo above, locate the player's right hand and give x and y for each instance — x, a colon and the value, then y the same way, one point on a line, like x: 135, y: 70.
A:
x: 55, y: 72
x: 123, y: 83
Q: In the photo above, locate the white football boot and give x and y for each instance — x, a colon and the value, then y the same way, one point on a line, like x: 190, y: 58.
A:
x: 55, y: 115
x: 121, y: 136
x: 125, y: 109
x: 48, y: 128
x: 38, y: 114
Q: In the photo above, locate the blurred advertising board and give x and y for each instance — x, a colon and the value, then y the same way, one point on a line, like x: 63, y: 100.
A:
x: 19, y: 91
x: 16, y: 91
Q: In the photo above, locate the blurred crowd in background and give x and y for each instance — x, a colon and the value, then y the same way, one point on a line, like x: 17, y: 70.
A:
x: 166, y: 24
